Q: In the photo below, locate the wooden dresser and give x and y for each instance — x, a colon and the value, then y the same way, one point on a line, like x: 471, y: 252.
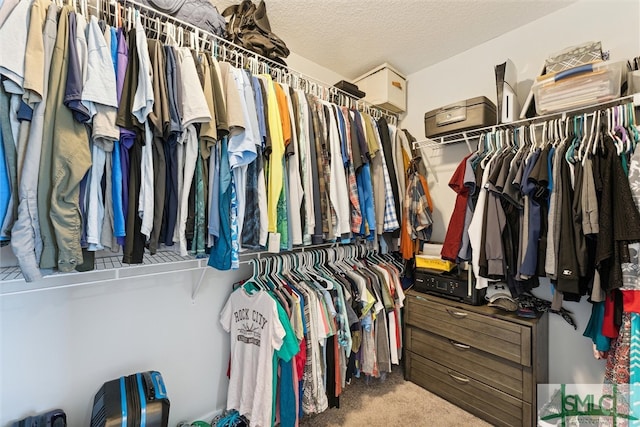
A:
x: 482, y: 360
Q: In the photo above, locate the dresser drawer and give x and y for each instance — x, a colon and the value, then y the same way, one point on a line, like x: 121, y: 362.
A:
x: 492, y: 405
x: 504, y: 339
x: 501, y: 374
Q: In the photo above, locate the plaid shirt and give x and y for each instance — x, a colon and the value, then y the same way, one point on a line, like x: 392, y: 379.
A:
x: 390, y: 216
x: 320, y: 159
x: 416, y: 207
x: 332, y: 218
x: 356, y: 213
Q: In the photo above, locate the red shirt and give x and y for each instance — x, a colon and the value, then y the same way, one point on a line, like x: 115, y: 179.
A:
x: 453, y: 239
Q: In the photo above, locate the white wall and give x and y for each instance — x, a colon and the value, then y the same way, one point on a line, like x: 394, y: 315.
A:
x: 313, y: 70
x: 57, y: 347
x: 470, y: 74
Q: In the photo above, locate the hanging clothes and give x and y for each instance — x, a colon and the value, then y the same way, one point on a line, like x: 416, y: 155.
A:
x: 145, y: 120
x: 324, y: 304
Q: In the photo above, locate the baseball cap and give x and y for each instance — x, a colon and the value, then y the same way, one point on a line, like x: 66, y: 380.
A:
x: 499, y: 296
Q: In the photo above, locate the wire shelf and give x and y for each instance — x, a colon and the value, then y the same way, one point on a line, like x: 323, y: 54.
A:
x: 473, y: 134
x: 322, y: 89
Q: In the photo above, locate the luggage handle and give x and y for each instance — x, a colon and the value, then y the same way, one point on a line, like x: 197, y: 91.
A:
x: 459, y: 345
x: 457, y: 314
x: 154, y: 385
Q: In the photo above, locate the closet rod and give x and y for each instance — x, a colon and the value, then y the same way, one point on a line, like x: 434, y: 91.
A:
x: 262, y: 255
x: 441, y: 141
x: 273, y: 64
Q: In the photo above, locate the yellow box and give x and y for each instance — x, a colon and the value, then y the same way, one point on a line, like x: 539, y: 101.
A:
x: 433, y: 263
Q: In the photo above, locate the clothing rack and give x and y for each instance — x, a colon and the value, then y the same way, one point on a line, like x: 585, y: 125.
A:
x: 438, y: 142
x: 153, y: 20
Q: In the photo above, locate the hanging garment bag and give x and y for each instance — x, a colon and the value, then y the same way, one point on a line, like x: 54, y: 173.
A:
x: 138, y: 400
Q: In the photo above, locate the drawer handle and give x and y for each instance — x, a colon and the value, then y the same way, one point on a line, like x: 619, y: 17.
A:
x: 459, y: 379
x: 457, y: 314
x: 459, y: 345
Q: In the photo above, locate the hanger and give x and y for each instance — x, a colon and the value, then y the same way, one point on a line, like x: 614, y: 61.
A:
x: 583, y: 141
x: 158, y: 28
x: 533, y: 137
x: 594, y: 137
x: 195, y: 45
x: 131, y: 19
x: 632, y: 126
x: 610, y: 126
x: 492, y: 148
x: 585, y: 148
x: 621, y: 128
x: 577, y: 136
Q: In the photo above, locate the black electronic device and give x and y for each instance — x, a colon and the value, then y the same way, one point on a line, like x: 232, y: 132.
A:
x: 458, y: 285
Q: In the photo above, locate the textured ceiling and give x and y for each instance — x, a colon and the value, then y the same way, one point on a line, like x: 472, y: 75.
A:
x: 351, y: 37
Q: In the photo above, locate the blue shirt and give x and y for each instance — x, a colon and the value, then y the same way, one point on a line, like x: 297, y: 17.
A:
x: 73, y: 87
x: 5, y: 186
x: 214, y: 213
x: 343, y: 136
x: 530, y: 261
x: 220, y: 257
x: 365, y: 194
x: 116, y: 162
x: 257, y: 92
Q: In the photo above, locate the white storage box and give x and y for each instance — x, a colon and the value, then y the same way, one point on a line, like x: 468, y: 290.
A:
x: 385, y: 87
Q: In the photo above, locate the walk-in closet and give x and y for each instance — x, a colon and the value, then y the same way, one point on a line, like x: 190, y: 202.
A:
x: 269, y: 212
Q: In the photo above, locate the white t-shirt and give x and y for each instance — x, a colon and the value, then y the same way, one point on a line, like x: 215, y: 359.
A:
x: 294, y: 200
x: 13, y: 34
x: 194, y: 104
x: 475, y: 231
x: 256, y: 332
x: 100, y: 78
x: 143, y: 99
x: 306, y: 167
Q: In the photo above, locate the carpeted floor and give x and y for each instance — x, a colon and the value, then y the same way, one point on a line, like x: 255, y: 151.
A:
x: 391, y: 402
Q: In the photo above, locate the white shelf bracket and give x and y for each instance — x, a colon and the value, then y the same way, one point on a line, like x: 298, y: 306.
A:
x: 466, y: 140
x: 430, y: 167
x: 195, y: 290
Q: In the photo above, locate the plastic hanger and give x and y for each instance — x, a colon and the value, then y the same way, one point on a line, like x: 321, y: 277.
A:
x: 251, y: 285
x: 632, y: 126
x: 611, y: 112
x: 180, y: 36
x: 488, y: 155
x: 622, y: 127
x: 577, y: 135
x: 595, y: 125
x: 584, y: 140
x: 532, y: 138
x: 544, y: 137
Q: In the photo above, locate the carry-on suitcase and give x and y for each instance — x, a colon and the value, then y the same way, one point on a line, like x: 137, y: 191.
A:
x: 138, y: 400
x: 54, y: 418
